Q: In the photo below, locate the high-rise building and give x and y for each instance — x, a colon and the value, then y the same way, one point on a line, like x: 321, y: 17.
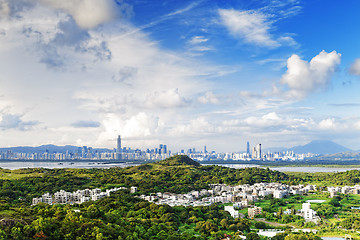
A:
x: 162, y: 149
x: 84, y: 151
x: 118, y: 148
x: 258, y: 151
x: 248, y: 148
x: 253, y: 154
x: 205, y: 151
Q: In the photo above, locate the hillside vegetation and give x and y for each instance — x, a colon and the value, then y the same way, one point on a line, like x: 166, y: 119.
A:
x: 122, y: 216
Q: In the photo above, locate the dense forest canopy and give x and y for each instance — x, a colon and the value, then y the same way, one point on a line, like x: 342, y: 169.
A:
x: 123, y: 216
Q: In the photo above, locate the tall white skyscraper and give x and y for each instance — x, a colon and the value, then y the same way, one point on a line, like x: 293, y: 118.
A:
x: 118, y: 148
x: 258, y: 151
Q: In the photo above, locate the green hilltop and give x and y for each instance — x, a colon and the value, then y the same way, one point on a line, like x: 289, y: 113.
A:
x: 179, y: 160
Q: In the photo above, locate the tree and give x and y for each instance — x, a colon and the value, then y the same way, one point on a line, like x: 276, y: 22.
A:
x: 260, y: 225
x: 224, y: 223
x: 279, y: 236
x: 280, y: 212
x: 252, y: 236
x: 40, y: 235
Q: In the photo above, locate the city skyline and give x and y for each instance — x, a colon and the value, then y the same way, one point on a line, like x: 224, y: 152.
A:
x: 189, y: 73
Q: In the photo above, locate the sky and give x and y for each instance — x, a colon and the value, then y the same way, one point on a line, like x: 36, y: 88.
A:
x: 183, y: 73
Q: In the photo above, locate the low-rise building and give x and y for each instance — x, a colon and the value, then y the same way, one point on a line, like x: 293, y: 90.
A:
x: 80, y: 196
x: 133, y: 189
x: 234, y: 213
x: 308, y: 213
x: 252, y: 212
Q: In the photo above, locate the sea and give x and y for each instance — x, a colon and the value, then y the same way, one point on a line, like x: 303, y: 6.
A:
x: 17, y: 164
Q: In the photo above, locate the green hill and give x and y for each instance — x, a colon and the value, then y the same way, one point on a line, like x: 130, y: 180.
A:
x: 178, y: 160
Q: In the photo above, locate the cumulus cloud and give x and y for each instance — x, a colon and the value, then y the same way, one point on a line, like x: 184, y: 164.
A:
x: 252, y: 26
x: 85, y: 124
x: 328, y: 123
x: 136, y: 126
x: 165, y: 99
x: 89, y: 13
x: 69, y: 34
x: 14, y: 121
x: 355, y: 67
x: 266, y: 120
x: 304, y: 77
x: 140, y: 125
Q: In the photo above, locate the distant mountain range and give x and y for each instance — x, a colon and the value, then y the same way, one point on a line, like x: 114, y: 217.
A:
x: 50, y: 148
x: 321, y: 147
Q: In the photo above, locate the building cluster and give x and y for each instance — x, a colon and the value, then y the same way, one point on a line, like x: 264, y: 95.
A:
x: 162, y: 152
x: 88, y: 153
x: 255, y: 153
x: 238, y: 156
x: 344, y: 190
x: 80, y: 196
x: 241, y: 196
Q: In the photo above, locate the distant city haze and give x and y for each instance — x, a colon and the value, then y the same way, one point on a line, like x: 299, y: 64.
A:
x: 128, y: 154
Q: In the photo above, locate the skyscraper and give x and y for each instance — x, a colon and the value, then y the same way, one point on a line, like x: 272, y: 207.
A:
x: 258, y: 151
x: 118, y: 149
x: 248, y: 148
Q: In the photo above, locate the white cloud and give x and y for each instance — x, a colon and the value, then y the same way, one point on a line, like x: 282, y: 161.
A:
x: 209, y: 97
x: 195, y: 127
x: 270, y: 119
x: 303, y: 78
x: 328, y: 123
x: 287, y: 40
x: 140, y: 125
x: 198, y: 46
x: 357, y: 125
x: 355, y: 67
x: 165, y: 99
x: 15, y: 121
x: 254, y: 27
x: 197, y: 40
x: 88, y: 13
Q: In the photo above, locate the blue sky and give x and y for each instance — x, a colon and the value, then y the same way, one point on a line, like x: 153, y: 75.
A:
x: 183, y: 73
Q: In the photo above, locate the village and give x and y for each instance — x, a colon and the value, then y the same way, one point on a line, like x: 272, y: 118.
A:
x: 244, y: 196
x: 80, y: 196
x: 239, y: 197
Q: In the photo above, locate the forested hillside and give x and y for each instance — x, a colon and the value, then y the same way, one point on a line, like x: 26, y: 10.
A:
x: 123, y: 216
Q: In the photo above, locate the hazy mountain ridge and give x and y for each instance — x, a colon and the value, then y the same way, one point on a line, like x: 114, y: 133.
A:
x: 50, y: 148
x: 320, y: 147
